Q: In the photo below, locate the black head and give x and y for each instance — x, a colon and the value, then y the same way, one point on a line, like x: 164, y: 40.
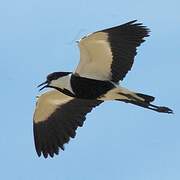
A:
x: 56, y: 75
x: 53, y: 76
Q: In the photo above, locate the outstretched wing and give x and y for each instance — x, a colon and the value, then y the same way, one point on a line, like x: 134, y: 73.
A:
x: 109, y: 54
x: 56, y: 119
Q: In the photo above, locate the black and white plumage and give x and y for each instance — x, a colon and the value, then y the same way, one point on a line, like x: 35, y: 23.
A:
x: 105, y: 58
x: 56, y: 119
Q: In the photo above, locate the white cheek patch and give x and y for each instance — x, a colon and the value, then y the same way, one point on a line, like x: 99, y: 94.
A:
x: 63, y: 83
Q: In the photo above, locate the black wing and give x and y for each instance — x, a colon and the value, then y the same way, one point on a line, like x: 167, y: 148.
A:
x: 56, y: 128
x: 109, y: 54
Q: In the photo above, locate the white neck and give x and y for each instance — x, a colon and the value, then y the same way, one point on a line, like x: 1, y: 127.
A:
x: 63, y: 82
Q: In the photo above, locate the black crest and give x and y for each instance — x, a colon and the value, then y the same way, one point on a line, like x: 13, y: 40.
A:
x: 56, y: 75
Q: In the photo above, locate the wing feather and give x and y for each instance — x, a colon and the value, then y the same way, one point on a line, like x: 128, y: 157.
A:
x: 56, y: 119
x: 109, y: 54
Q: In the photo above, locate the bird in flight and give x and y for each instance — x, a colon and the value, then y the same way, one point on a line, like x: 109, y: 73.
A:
x: 106, y: 56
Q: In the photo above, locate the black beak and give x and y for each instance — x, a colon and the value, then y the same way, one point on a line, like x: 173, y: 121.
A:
x: 44, y: 83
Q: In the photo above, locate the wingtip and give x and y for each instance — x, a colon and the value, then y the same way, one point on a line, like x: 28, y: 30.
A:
x: 138, y: 24
x: 131, y: 22
x: 47, y: 154
x: 38, y: 153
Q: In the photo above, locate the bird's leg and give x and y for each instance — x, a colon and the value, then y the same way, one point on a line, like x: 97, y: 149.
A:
x: 161, y: 109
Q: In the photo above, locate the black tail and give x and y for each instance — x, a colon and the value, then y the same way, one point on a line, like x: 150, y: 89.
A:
x: 146, y: 98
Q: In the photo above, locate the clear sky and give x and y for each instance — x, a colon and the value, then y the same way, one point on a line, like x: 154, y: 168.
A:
x: 117, y: 141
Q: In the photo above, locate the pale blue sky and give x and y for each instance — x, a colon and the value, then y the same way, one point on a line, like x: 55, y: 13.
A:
x: 118, y: 141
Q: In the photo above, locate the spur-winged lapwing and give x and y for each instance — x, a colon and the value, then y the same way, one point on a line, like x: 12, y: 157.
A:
x: 105, y: 58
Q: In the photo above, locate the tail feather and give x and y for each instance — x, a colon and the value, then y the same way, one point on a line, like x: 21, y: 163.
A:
x: 147, y: 98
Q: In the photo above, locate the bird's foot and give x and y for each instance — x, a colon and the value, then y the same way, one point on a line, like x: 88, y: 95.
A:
x: 164, y: 109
